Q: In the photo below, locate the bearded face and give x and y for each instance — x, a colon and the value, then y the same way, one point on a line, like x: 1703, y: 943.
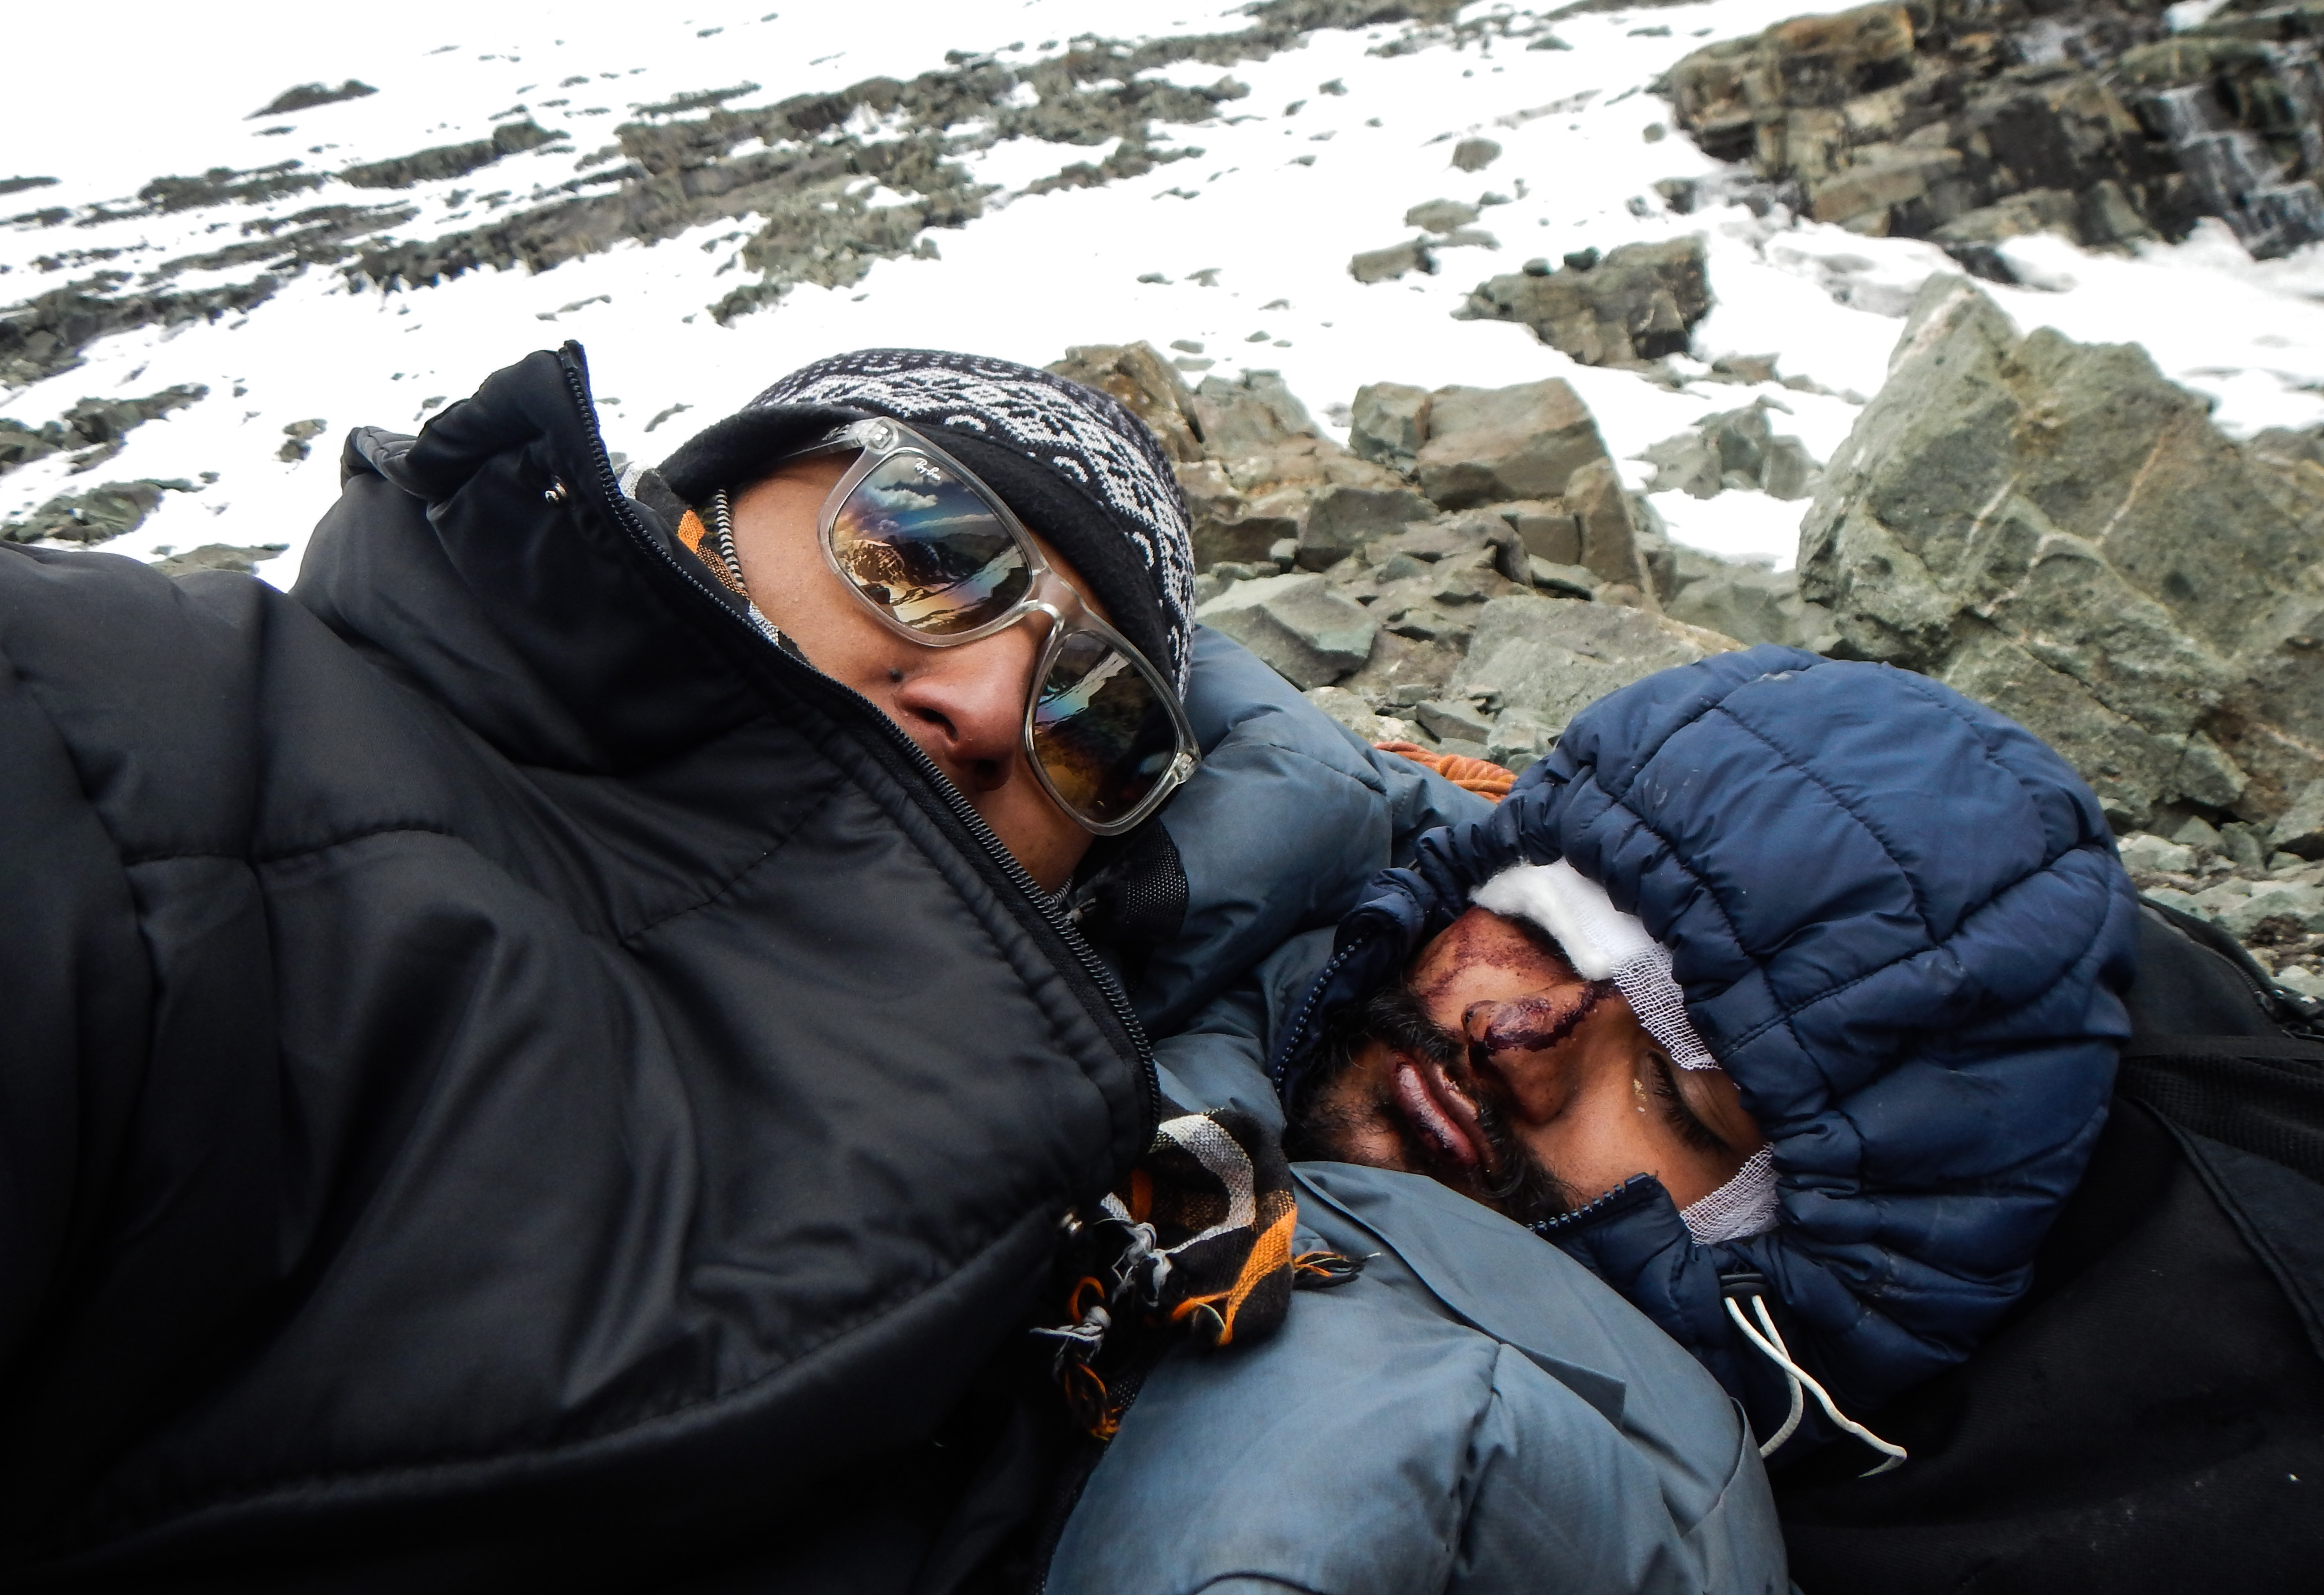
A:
x: 1497, y: 1070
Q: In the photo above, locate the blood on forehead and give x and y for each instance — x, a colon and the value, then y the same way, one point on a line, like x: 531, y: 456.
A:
x: 1480, y: 941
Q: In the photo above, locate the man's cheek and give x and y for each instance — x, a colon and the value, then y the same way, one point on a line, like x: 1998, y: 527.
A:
x: 1353, y: 1122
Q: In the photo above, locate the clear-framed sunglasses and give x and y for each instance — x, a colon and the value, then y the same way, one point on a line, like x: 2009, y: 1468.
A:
x: 938, y: 558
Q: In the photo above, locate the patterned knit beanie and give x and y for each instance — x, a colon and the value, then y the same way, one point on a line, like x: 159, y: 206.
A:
x: 1073, y: 463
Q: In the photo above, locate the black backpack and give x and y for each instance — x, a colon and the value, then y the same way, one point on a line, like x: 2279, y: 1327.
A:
x: 2150, y: 1416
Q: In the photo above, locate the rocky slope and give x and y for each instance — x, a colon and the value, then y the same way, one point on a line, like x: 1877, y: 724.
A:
x: 1970, y: 122
x: 1469, y: 547
x: 2050, y: 528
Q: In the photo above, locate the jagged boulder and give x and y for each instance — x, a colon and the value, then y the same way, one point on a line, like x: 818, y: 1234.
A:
x: 1735, y: 448
x: 1386, y: 265
x: 1311, y: 635
x: 1249, y: 456
x: 1975, y: 122
x: 2055, y: 530
x: 2299, y: 828
x: 1538, y: 661
x: 1639, y: 303
x: 1148, y: 386
x: 1749, y: 603
x: 1388, y: 422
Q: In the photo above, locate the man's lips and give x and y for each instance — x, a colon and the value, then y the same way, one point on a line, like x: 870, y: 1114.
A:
x: 1432, y: 1106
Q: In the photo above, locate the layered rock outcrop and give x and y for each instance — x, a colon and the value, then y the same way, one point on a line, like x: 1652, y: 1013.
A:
x: 2055, y: 530
x: 1974, y: 123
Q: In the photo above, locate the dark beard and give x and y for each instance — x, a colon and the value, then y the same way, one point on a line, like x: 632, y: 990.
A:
x: 1524, y: 1189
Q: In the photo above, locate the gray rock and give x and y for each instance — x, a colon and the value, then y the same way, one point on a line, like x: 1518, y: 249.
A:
x: 2055, y: 530
x: 1357, y: 715
x: 94, y: 428
x: 1341, y: 519
x: 306, y: 96
x: 1892, y: 123
x: 1687, y: 463
x: 298, y: 436
x: 2270, y: 913
x: 1148, y: 385
x: 2299, y: 828
x: 1311, y: 636
x: 1789, y: 471
x: 1751, y: 603
x: 1475, y: 154
x: 1256, y: 462
x: 1735, y: 448
x: 1562, y: 581
x: 95, y: 516
x: 2145, y: 854
x: 2200, y: 834
x: 1638, y: 304
x: 1387, y: 422
x: 1384, y: 265
x: 2307, y: 979
x: 219, y: 557
x: 1458, y: 720
x: 1440, y: 216
x: 1517, y: 742
x: 2242, y: 844
x: 1551, y: 658
x: 1489, y: 444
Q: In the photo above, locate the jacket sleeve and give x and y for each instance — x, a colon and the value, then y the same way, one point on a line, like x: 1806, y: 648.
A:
x: 73, y: 987
x: 1279, y: 831
x: 140, y: 1119
x: 1220, y: 1059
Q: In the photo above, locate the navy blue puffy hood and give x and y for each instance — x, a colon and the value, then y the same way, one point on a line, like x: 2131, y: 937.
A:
x: 1902, y: 929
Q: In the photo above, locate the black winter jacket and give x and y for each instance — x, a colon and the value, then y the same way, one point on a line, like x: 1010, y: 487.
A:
x: 506, y: 1079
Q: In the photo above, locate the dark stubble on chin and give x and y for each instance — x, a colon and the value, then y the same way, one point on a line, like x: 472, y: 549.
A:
x: 1325, y: 1119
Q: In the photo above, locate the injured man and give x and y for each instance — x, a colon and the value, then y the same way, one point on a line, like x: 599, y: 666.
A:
x: 1791, y: 1150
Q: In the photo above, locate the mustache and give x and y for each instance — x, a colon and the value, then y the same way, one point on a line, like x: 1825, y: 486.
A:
x: 1523, y: 1186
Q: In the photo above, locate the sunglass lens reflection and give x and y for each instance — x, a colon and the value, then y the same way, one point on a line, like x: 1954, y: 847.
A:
x: 926, y: 549
x: 1101, y: 730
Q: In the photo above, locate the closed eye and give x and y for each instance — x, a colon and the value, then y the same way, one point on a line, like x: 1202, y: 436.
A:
x: 1682, y: 1119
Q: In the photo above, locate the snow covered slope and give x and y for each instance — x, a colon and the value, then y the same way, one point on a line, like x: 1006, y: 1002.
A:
x: 1235, y: 236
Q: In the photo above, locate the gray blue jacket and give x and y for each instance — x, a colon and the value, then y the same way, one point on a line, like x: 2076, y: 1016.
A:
x: 1473, y: 1414
x: 1476, y: 1411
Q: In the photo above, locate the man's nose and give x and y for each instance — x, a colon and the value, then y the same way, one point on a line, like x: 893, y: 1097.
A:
x: 1515, y: 1045
x: 965, y: 706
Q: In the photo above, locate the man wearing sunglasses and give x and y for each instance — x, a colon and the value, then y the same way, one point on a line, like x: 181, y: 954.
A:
x: 555, y: 1053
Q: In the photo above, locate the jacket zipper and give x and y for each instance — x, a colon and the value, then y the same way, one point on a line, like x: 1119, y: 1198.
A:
x: 1297, y: 1033
x: 571, y: 361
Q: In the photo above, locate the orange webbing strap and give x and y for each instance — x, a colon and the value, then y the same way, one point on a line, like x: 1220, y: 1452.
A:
x: 1471, y: 775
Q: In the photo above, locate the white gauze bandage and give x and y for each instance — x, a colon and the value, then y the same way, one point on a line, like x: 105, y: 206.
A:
x: 1603, y: 943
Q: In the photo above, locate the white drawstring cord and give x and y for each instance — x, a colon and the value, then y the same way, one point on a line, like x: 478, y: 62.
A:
x: 1771, y: 1345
